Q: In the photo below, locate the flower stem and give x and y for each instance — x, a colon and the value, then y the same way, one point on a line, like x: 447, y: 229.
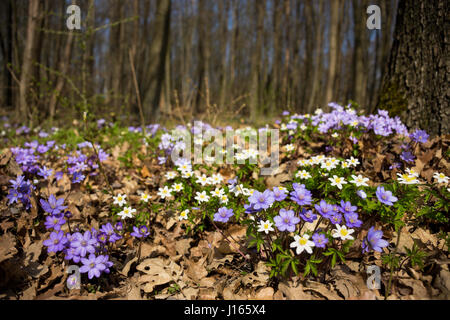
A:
x: 386, y: 294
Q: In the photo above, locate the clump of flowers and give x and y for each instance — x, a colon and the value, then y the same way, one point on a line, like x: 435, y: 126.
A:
x: 20, y: 190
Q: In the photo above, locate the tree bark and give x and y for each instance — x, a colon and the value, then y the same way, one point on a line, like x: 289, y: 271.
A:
x: 157, y: 58
x: 28, y: 59
x: 416, y: 83
x: 333, y: 51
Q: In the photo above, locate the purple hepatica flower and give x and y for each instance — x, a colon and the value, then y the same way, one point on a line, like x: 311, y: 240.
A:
x: 93, y: 266
x: 346, y: 207
x: 119, y: 226
x: 59, y: 175
x: 144, y: 231
x: 42, y: 149
x: 319, y: 240
x: 71, y: 254
x: 385, y: 196
x: 407, y: 156
x: 374, y: 241
x: 84, y: 243
x: 361, y: 194
x: 352, y: 220
x: 279, y: 194
x: 395, y: 165
x: 13, y: 196
x: 261, y: 200
x: 249, y: 209
x: 18, y: 182
x: 102, y: 155
x: 56, y: 242
x: 325, y: 209
x: 307, y: 215
x: 336, y: 218
x: 72, y: 281
x: 102, y: 237
x: 105, y: 260
x: 78, y: 177
x: 45, y: 172
x: 300, y: 194
x: 286, y: 220
x: 53, y: 206
x: 161, y: 160
x: 140, y: 232
x: 54, y: 222
x: 419, y: 136
x: 223, y: 215
x: 110, y: 232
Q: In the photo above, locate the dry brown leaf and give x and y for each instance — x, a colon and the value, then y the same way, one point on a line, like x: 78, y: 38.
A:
x: 182, y: 246
x: 293, y: 293
x: 7, y: 247
x: 418, y: 289
x: 127, y: 267
x: 378, y: 162
x: 207, y: 294
x: 30, y: 293
x: 259, y: 277
x: 321, y: 289
x: 145, y: 172
x: 157, y: 272
x: 265, y: 294
x: 196, y: 270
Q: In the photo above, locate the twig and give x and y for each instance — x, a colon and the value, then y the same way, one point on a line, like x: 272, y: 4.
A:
x: 141, y: 111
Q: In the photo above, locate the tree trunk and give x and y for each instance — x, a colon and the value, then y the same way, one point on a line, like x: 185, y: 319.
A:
x: 360, y: 63
x: 316, y: 78
x: 256, y: 60
x: 8, y: 49
x: 334, y: 47
x: 416, y: 83
x: 28, y: 59
x: 158, y: 52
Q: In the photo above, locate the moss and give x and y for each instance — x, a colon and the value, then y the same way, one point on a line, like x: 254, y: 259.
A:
x: 393, y: 100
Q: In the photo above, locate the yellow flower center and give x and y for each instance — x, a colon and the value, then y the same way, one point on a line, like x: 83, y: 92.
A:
x: 302, y: 241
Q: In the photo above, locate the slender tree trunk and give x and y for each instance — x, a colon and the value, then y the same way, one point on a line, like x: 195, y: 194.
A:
x: 416, y: 82
x: 316, y: 78
x: 157, y: 58
x: 28, y: 59
x: 333, y: 51
x: 360, y: 64
x: 255, y: 62
x: 8, y: 48
x: 63, y: 69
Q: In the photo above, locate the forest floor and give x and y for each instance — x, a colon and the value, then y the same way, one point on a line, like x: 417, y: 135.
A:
x: 172, y: 263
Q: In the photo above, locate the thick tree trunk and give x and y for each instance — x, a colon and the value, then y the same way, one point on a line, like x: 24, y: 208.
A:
x: 416, y: 82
